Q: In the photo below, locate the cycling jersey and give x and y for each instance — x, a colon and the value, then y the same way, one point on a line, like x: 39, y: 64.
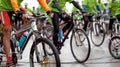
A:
x: 118, y: 9
x: 75, y: 9
x: 29, y: 10
x: 9, y: 5
x: 61, y: 3
x: 101, y: 5
x: 114, y: 8
x: 44, y: 5
x: 90, y: 5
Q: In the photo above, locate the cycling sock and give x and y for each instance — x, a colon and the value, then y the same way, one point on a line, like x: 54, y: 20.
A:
x: 9, y: 58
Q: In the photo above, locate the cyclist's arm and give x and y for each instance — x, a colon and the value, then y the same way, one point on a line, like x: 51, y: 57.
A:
x: 76, y: 5
x: 14, y: 5
x: 98, y: 8
x: 57, y: 5
x: 44, y: 5
x: 84, y: 8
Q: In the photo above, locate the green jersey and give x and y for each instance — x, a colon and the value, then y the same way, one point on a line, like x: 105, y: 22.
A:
x: 76, y: 9
x: 90, y: 5
x: 101, y: 5
x: 65, y: 9
x: 30, y: 10
x: 118, y: 10
x: 5, y: 5
x: 114, y: 7
x: 61, y: 3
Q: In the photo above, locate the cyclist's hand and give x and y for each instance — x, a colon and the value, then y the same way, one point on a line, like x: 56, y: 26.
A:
x: 84, y: 13
x: 24, y: 17
x: 19, y: 13
x: 63, y: 14
x: 50, y: 14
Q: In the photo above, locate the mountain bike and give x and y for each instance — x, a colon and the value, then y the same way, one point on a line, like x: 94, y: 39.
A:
x: 94, y: 29
x: 114, y: 42
x: 97, y: 30
x: 79, y: 41
x: 19, y: 43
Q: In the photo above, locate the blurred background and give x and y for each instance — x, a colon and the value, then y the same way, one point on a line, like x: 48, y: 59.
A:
x: 34, y: 3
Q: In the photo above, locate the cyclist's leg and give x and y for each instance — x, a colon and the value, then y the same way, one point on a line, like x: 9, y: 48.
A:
x: 118, y: 17
x: 55, y: 21
x: 90, y: 18
x: 7, y: 33
x: 69, y: 22
x: 86, y: 20
x: 110, y: 25
x: 66, y: 27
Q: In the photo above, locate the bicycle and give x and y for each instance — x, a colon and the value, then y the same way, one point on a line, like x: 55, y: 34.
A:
x: 95, y: 29
x: 17, y: 49
x: 114, y: 42
x: 78, y: 42
x: 114, y: 47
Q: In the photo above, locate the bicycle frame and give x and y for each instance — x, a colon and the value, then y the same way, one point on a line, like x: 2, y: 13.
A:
x: 69, y: 30
x: 31, y: 28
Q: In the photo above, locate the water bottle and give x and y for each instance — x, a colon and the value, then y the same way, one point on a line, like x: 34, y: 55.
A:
x: 22, y: 40
x: 60, y: 35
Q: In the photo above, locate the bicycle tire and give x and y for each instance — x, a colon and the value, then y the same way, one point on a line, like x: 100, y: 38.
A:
x: 114, y: 46
x: 36, y: 43
x: 99, y: 33
x: 74, y: 51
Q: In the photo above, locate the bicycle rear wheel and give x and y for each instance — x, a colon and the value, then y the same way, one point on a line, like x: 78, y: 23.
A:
x: 114, y: 47
x: 80, y: 45
x: 97, y: 35
x: 44, y: 59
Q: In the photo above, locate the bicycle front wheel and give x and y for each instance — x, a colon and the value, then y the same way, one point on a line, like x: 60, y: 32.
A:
x: 80, y: 45
x: 114, y: 47
x: 44, y: 59
x: 97, y: 35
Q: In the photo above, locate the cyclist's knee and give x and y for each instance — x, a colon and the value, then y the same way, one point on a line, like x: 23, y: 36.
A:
x: 7, y: 30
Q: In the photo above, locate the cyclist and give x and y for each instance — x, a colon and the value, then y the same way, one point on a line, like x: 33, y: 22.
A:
x: 56, y: 7
x: 89, y: 6
x: 114, y: 11
x: 7, y: 8
x: 103, y: 9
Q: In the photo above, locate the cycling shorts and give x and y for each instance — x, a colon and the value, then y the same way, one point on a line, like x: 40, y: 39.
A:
x: 5, y: 18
